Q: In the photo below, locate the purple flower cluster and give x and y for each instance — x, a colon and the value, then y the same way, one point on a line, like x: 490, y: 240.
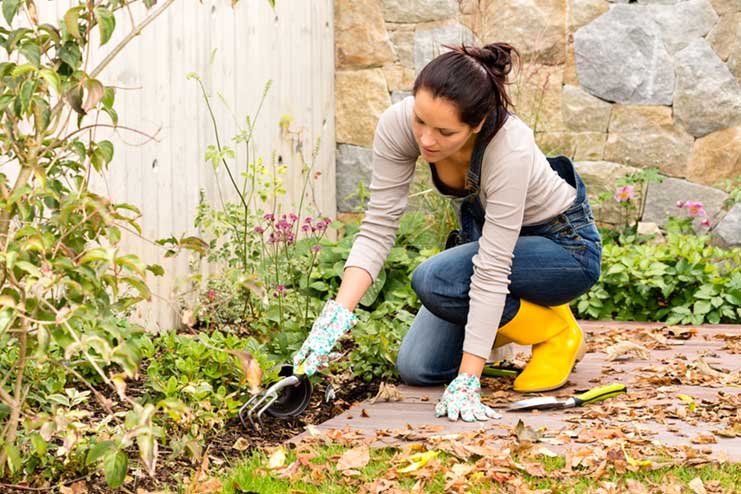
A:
x: 282, y: 229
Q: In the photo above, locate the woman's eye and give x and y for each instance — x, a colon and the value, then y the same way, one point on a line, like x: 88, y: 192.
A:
x: 446, y: 134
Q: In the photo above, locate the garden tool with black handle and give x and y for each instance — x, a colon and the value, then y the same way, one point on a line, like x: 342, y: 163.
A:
x: 286, y: 398
x: 592, y: 396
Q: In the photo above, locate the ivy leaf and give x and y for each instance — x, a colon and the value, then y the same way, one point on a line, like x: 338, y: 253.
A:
x: 10, y: 8
x: 106, y: 23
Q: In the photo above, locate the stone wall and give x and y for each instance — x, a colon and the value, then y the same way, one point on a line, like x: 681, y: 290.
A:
x: 617, y: 86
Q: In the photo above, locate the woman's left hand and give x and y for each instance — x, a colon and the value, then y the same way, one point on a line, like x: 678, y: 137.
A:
x: 462, y: 398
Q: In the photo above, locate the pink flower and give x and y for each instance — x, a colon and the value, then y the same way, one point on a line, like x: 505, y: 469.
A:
x: 269, y: 217
x: 305, y: 228
x: 680, y: 204
x: 292, y: 217
x: 280, y: 288
x: 259, y: 230
x: 316, y: 248
x: 706, y: 223
x: 624, y: 193
x: 308, y: 220
x: 695, y: 209
x: 211, y: 294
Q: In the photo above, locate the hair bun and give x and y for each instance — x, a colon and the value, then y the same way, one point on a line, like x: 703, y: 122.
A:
x: 497, y: 57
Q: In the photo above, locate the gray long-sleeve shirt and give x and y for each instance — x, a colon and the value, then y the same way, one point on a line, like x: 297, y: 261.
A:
x: 518, y: 187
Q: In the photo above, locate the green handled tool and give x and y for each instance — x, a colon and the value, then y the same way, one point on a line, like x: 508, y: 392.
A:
x: 501, y: 368
x: 591, y: 396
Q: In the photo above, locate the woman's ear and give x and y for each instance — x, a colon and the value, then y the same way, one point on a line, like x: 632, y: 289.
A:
x: 478, y: 127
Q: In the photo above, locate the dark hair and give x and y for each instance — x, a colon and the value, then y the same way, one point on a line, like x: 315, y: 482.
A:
x: 474, y: 79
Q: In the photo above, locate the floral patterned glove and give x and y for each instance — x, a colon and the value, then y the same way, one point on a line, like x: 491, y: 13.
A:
x: 334, y: 321
x: 463, y: 397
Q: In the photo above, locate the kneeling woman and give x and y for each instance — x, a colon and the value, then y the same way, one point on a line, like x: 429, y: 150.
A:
x: 527, y: 243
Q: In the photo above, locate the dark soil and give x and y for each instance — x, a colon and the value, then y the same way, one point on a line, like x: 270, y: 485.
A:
x: 219, y: 447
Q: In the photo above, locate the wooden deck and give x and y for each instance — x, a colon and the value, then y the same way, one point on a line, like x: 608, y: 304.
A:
x: 652, y: 409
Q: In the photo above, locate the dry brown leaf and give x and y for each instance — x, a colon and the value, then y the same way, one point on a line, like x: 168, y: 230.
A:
x: 250, y: 369
x: 635, y: 487
x: 387, y: 392
x: 354, y: 458
x: 209, y: 486
x: 188, y: 318
x: 623, y: 348
x: 704, y: 438
x: 277, y: 458
x: 526, y: 433
x: 697, y: 486
x: 364, y: 413
x: 241, y: 444
x: 79, y: 487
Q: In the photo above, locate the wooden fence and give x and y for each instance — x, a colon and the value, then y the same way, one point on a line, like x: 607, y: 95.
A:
x: 235, y: 51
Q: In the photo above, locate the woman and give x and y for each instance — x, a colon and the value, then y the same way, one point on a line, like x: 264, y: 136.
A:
x: 526, y: 247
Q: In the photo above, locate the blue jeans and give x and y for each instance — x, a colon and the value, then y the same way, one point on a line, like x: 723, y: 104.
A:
x: 554, y: 262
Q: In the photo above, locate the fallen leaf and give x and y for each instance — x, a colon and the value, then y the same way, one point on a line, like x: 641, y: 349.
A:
x: 241, y: 444
x: 354, y: 458
x: 277, y: 459
x: 697, y: 486
x: 387, y: 392
x: 526, y: 433
x: 210, y: 486
x: 623, y: 348
x: 681, y: 333
x: 79, y: 487
x: 417, y: 461
x: 704, y: 438
x: 364, y: 413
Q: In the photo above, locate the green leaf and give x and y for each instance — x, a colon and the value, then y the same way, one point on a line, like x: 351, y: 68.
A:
x: 702, y: 307
x: 14, y: 456
x: 106, y: 147
x: 106, y: 23
x: 5, y: 100
x: 70, y: 54
x: 52, y: 79
x: 27, y: 89
x: 72, y: 20
x: 156, y: 269
x: 32, y: 52
x: 98, y: 450
x: 115, y: 466
x: 97, y: 254
x: 10, y: 9
x: 109, y: 96
x: 7, y: 316
x: 39, y: 445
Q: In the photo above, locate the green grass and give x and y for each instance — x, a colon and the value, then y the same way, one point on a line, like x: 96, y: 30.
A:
x: 247, y: 476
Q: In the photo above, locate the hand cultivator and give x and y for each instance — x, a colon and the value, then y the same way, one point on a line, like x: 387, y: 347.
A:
x: 286, y: 398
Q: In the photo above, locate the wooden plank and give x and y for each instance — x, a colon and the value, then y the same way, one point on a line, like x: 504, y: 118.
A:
x: 398, y: 422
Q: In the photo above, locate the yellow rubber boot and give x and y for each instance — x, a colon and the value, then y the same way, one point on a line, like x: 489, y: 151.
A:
x: 557, y: 342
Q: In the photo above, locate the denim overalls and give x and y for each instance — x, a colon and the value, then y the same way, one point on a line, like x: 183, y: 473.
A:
x: 554, y: 262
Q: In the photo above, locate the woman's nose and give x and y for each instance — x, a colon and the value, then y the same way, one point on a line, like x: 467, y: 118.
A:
x: 426, y: 139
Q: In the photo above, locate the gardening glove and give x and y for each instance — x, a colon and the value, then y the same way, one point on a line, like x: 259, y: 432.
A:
x: 334, y: 321
x: 463, y: 397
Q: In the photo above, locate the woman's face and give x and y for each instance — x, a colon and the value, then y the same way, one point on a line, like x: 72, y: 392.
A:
x: 437, y: 129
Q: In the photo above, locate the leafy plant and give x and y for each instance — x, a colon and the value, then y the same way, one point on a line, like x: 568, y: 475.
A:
x: 64, y: 282
x: 681, y: 281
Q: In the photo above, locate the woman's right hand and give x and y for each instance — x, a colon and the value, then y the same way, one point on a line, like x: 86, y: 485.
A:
x: 334, y: 321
